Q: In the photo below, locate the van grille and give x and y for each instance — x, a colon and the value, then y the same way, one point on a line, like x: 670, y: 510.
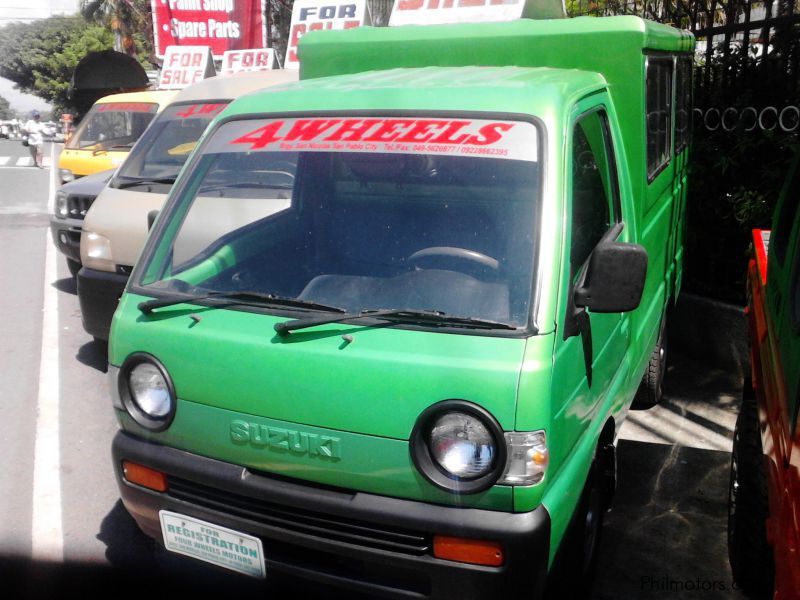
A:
x: 301, y: 521
x: 78, y: 205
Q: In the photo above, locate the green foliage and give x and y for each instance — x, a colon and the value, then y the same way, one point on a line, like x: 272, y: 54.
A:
x: 6, y: 112
x: 41, y: 56
x: 734, y: 183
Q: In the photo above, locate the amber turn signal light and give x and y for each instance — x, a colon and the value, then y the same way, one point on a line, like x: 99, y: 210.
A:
x: 475, y: 552
x: 144, y: 476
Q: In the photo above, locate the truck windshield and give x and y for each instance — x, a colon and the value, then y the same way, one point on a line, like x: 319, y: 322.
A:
x: 360, y: 214
x: 111, y: 125
x: 167, y: 143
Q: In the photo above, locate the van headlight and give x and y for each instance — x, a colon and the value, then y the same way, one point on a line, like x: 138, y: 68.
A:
x: 458, y: 447
x: 147, y: 392
x: 61, y: 204
x: 96, y: 251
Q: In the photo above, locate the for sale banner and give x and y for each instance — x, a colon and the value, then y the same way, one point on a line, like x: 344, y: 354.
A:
x: 428, y: 12
x: 221, y: 25
x: 310, y: 15
x: 260, y: 59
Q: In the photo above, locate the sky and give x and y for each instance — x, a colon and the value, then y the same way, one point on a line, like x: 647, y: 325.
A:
x: 28, y: 10
x: 20, y: 101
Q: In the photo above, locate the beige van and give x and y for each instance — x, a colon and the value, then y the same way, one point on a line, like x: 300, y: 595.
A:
x: 116, y: 226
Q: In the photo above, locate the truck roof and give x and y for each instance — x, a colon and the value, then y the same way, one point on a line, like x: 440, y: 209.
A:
x: 223, y: 87
x: 497, y: 89
x: 603, y: 44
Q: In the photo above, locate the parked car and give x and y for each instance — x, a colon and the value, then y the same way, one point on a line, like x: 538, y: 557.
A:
x: 106, y: 134
x: 72, y: 202
x: 764, y: 500
x: 117, y: 224
x: 386, y: 328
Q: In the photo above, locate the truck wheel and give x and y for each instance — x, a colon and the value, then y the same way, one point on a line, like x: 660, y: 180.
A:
x: 651, y: 389
x: 750, y: 555
x: 573, y: 573
x: 74, y: 266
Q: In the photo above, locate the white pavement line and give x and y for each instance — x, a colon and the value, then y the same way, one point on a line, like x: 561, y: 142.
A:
x: 23, y: 161
x: 51, y: 192
x: 4, y: 160
x: 47, y: 535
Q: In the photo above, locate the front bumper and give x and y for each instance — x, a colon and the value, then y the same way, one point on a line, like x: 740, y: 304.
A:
x: 99, y: 293
x: 360, y: 542
x: 67, y: 236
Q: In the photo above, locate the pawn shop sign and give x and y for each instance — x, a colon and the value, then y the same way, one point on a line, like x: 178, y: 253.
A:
x: 185, y: 65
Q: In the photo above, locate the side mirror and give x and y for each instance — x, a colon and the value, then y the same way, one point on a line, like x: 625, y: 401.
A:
x: 151, y: 218
x: 614, y: 278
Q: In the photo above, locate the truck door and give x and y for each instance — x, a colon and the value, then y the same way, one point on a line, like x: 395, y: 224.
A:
x: 589, y: 352
x: 780, y: 372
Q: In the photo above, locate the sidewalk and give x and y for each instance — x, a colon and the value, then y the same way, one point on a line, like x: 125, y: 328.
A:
x: 666, y: 535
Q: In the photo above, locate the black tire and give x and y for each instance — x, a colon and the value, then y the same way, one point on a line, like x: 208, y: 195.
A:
x: 573, y: 573
x: 651, y: 389
x: 74, y: 266
x: 750, y: 555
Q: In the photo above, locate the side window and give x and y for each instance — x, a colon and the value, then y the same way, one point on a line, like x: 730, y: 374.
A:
x: 785, y: 218
x: 683, y: 103
x: 595, y: 187
x: 659, y: 113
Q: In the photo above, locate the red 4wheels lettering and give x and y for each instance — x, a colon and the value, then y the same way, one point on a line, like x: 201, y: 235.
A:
x: 376, y: 130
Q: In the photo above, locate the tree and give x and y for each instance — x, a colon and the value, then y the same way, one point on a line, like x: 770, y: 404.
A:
x: 41, y: 56
x: 6, y: 112
x: 131, y: 22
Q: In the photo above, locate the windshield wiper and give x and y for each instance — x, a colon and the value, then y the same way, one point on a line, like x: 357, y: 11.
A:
x: 399, y: 315
x: 238, y: 297
x: 145, y: 181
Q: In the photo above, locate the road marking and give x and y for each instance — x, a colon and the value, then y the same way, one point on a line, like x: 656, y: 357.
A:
x: 47, y: 535
x: 25, y: 162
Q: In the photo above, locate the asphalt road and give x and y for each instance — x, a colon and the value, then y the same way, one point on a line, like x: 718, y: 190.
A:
x: 664, y: 538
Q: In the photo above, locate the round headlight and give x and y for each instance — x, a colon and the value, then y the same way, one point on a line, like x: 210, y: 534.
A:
x: 462, y: 445
x: 150, y: 391
x: 146, y: 391
x: 459, y: 447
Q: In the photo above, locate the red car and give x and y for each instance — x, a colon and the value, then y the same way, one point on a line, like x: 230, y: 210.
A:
x: 764, y: 502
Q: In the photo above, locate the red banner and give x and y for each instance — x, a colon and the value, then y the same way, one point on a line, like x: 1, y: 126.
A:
x: 221, y: 25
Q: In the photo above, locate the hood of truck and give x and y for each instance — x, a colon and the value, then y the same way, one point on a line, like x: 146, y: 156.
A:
x: 88, y: 162
x: 376, y: 383
x: 121, y: 216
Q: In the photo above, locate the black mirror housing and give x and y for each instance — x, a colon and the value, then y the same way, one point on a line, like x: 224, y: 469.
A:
x: 614, y: 279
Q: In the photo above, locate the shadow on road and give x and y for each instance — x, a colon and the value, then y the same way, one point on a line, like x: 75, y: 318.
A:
x: 67, y: 285
x: 94, y: 354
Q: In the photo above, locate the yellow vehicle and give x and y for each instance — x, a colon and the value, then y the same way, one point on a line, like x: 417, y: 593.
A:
x: 108, y: 131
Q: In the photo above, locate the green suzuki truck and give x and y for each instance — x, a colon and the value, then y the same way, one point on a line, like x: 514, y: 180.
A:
x: 386, y: 328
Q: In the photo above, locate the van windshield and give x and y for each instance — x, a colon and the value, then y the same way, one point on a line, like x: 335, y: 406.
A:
x: 360, y: 214
x: 165, y: 146
x: 112, y: 124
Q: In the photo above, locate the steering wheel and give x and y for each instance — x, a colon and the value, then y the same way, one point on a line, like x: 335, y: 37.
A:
x: 458, y: 253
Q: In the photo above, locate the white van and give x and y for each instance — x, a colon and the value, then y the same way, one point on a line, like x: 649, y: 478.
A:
x: 116, y: 226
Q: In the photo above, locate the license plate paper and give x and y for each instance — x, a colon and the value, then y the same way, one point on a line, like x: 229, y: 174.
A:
x: 213, y: 544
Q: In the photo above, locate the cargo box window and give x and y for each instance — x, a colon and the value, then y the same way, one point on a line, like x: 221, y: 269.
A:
x: 595, y: 187
x: 659, y: 114
x: 683, y: 103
